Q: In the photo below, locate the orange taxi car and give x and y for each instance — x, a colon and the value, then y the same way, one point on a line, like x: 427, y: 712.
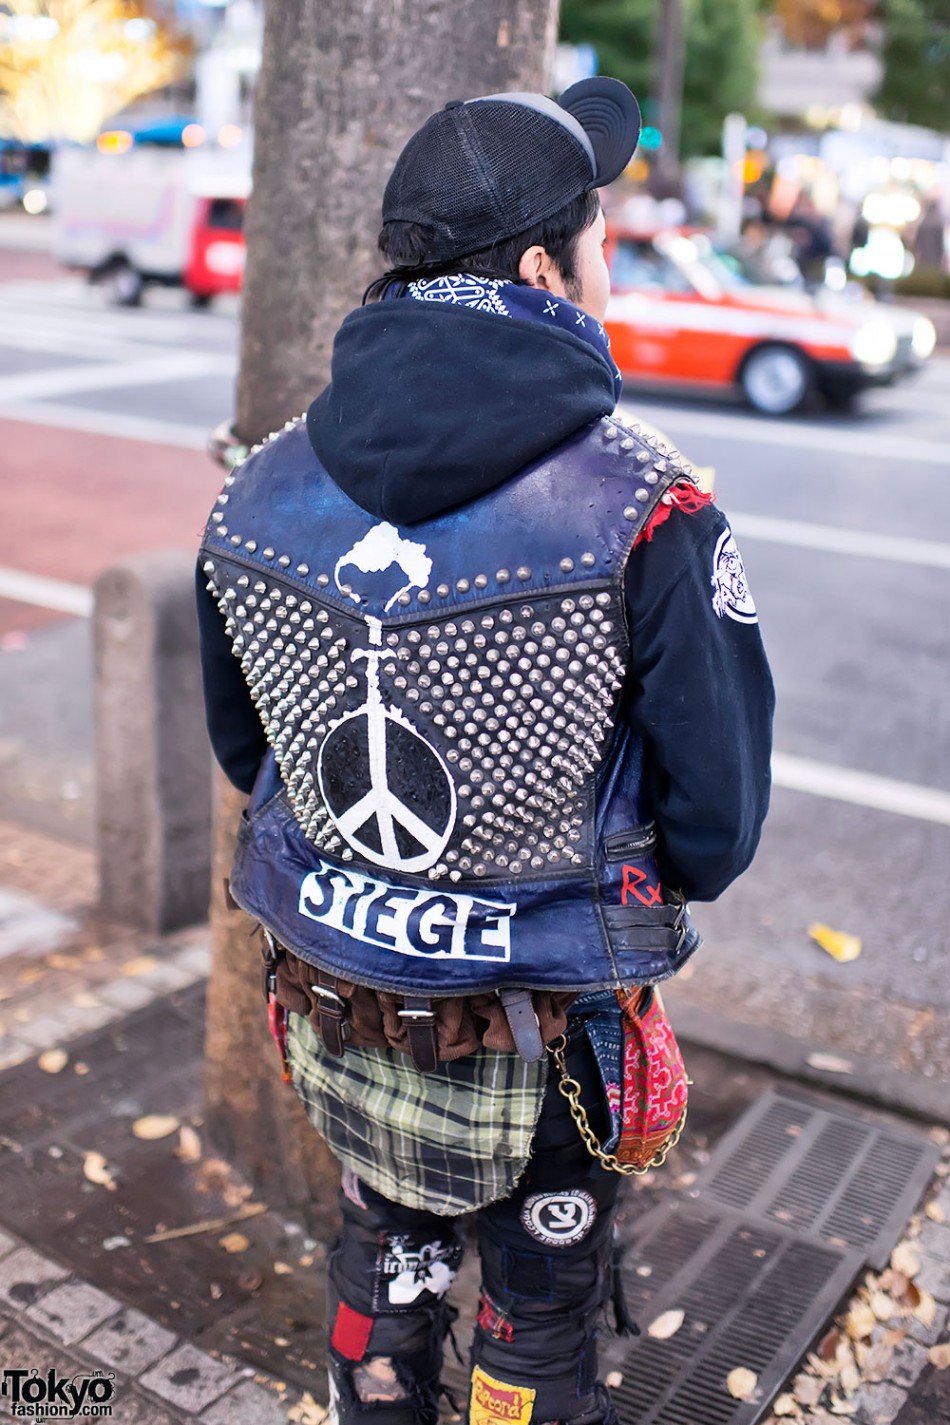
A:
x: 678, y: 314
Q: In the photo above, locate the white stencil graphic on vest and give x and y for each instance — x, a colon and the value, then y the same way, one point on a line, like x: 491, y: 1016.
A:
x: 410, y: 1273
x: 387, y: 789
x: 731, y: 594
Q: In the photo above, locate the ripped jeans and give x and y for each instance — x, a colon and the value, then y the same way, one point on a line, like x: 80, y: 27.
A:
x: 548, y: 1270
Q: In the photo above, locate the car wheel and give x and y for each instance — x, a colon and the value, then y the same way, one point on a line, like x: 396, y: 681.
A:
x: 122, y: 283
x: 776, y: 380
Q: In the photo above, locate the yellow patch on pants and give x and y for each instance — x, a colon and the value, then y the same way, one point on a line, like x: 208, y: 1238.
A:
x: 495, y: 1402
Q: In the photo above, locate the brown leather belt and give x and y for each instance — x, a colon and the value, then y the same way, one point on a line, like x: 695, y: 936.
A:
x: 331, y: 1013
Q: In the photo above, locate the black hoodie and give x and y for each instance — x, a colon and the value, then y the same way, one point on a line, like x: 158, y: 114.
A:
x: 430, y: 406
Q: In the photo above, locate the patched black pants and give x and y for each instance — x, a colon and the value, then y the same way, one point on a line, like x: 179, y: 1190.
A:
x: 546, y: 1255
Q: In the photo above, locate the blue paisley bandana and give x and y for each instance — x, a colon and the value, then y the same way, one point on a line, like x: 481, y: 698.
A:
x: 515, y: 299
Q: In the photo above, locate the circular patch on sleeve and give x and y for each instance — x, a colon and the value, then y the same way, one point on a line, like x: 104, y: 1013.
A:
x: 559, y: 1219
x: 731, y: 596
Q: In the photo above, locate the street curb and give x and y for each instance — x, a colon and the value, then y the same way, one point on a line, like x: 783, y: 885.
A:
x: 868, y: 1080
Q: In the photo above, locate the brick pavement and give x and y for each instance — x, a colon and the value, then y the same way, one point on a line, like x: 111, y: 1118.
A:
x: 51, y: 1320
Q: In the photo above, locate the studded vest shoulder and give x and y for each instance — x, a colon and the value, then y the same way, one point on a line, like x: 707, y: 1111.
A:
x: 453, y: 798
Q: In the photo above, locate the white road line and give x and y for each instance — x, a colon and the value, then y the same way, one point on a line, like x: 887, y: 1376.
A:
x: 712, y: 425
x: 112, y: 423
x: 46, y: 593
x: 863, y: 789
x: 834, y: 540
x: 64, y: 380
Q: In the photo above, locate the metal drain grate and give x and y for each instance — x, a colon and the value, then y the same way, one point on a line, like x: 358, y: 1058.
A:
x: 753, y: 1295
x: 824, y: 1175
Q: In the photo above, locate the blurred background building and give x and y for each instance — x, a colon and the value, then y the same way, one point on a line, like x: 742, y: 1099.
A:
x: 834, y: 110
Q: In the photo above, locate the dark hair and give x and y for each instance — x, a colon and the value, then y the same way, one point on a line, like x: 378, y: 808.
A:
x: 405, y: 245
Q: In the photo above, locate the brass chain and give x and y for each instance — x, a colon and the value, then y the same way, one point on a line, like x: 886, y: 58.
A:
x: 571, y: 1090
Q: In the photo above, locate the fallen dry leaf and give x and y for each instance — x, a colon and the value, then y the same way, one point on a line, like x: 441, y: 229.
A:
x: 60, y: 961
x: 860, y: 1321
x: 189, y: 1145
x: 843, y: 1407
x: 235, y: 1242
x: 905, y: 1260
x: 838, y: 944
x: 926, y: 1309
x: 939, y: 1356
x: 830, y: 1063
x: 96, y: 1169
x: 935, y: 1212
x: 53, y: 1061
x: 785, y: 1405
x: 883, y: 1306
x: 614, y: 1379
x: 283, y: 1269
x: 807, y: 1389
x: 154, y: 1125
x: 666, y: 1325
x: 80, y: 1068
x: 828, y: 1346
x: 741, y: 1383
x: 85, y: 1000
x: 139, y: 966
x: 850, y: 1378
x: 307, y: 1411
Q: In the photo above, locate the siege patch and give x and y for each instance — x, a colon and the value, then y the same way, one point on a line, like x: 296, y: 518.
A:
x: 435, y: 925
x: 496, y: 1402
x: 559, y: 1219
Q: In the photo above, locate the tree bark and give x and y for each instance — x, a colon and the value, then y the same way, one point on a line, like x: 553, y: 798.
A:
x: 343, y: 84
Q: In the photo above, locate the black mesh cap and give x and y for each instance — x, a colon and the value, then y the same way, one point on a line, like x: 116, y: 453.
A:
x: 482, y: 171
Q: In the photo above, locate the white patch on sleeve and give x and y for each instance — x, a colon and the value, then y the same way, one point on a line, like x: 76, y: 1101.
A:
x: 731, y: 594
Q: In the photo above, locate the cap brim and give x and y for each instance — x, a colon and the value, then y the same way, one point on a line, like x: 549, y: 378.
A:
x: 610, y: 116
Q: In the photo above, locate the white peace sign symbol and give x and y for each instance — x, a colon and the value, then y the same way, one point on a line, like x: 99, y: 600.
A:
x: 380, y: 805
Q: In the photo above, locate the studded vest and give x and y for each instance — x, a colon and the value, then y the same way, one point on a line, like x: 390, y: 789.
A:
x: 453, y: 800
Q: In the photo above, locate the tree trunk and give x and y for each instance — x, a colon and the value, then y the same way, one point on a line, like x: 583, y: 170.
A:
x: 343, y: 84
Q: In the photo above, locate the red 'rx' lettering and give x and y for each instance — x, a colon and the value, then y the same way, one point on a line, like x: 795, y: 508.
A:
x: 633, y: 879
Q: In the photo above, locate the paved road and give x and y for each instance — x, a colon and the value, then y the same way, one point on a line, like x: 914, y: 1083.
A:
x: 843, y: 522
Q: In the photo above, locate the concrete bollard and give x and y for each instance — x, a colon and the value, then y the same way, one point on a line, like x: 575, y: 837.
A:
x: 153, y: 761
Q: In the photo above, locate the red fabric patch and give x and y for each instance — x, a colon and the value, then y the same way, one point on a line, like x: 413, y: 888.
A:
x: 493, y: 1321
x: 683, y: 497
x: 351, y: 1332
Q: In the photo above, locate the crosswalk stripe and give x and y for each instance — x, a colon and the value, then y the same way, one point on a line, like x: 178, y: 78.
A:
x: 863, y: 789
x: 46, y: 593
x: 833, y: 540
x: 113, y: 423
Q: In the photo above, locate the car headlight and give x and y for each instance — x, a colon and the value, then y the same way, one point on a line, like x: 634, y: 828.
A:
x: 225, y: 258
x: 874, y: 344
x: 924, y: 338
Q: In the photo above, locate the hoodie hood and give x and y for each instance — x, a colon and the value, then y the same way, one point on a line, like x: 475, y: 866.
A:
x: 432, y: 404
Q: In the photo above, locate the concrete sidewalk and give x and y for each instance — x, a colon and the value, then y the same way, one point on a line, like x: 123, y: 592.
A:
x: 147, y: 1260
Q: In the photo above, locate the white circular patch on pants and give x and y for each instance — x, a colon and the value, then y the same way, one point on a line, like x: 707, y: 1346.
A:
x: 559, y: 1218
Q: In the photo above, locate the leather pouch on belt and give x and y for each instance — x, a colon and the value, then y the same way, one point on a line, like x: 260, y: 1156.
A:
x: 462, y: 1023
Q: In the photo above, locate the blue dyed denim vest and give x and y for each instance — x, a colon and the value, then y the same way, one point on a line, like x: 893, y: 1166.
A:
x: 453, y: 800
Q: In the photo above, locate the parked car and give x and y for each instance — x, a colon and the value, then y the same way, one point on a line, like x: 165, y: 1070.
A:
x: 680, y: 314
x: 151, y: 214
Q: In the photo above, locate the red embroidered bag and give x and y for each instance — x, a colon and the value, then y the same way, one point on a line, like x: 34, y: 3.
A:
x: 655, y: 1087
